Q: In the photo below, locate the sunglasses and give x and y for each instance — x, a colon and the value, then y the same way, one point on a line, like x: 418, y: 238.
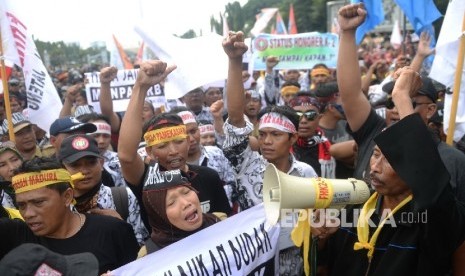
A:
x: 390, y: 103
x: 309, y: 115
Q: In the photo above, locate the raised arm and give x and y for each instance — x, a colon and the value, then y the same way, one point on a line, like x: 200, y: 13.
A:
x: 150, y: 73
x: 235, y: 47
x: 423, y: 51
x: 108, y: 74
x: 356, y: 105
x: 366, y: 80
x: 71, y: 94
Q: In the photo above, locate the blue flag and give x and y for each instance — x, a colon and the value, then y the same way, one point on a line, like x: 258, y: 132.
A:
x: 375, y: 15
x: 420, y: 13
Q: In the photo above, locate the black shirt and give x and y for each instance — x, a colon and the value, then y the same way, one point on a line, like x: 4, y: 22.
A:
x: 205, y: 180
x: 111, y: 240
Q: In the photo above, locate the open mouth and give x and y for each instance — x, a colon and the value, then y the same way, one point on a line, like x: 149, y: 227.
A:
x: 175, y: 162
x: 35, y: 226
x: 192, y: 217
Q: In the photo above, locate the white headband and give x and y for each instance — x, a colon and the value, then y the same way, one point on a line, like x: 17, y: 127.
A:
x: 187, y: 117
x: 102, y: 128
x: 206, y: 129
x: 277, y: 121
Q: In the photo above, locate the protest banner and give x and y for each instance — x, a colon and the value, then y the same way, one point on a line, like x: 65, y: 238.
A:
x: 200, y: 60
x: 43, y: 102
x: 240, y: 245
x: 299, y: 51
x: 121, y: 90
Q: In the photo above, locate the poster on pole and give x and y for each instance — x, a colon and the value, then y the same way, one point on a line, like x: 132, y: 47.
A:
x: 298, y: 51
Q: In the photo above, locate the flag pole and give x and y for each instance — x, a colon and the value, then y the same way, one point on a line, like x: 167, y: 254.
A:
x: 6, y: 94
x: 456, y: 89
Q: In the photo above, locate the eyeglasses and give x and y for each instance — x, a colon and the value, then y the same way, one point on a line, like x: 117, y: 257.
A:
x: 390, y: 103
x: 309, y: 115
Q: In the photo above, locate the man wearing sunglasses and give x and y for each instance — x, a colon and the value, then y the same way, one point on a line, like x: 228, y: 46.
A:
x: 334, y: 127
x: 312, y: 146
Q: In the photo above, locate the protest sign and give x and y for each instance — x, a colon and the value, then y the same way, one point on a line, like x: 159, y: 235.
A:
x: 299, y: 51
x: 121, y: 90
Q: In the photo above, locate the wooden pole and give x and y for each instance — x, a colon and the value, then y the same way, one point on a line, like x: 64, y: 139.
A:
x: 456, y: 89
x: 6, y: 94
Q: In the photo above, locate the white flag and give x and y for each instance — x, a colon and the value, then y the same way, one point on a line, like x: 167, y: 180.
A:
x: 199, y: 60
x: 262, y: 20
x: 396, y: 37
x: 43, y: 102
x: 445, y: 63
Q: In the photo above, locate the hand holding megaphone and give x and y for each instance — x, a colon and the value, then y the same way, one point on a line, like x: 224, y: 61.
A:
x: 323, y: 229
x: 283, y: 191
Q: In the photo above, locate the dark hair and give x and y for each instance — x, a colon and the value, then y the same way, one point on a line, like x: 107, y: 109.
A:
x: 205, y: 122
x: 85, y: 118
x: 162, y: 120
x: 284, y: 110
x: 320, y: 65
x: 38, y: 164
x: 290, y: 83
x: 177, y: 109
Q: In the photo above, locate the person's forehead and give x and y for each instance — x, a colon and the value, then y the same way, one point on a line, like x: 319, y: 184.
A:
x: 305, y: 108
x: 35, y: 194
x: 270, y: 130
x: 7, y: 154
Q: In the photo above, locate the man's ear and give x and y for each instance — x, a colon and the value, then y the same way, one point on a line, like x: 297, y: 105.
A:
x: 150, y: 153
x: 68, y: 196
x: 431, y: 110
x: 53, y: 139
x: 294, y: 138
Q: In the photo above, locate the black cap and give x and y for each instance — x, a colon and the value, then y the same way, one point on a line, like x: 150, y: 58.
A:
x: 76, y: 147
x: 70, y: 124
x: 35, y: 259
x: 427, y: 88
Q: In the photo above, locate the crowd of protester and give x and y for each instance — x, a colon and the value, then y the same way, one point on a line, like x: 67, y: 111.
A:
x: 106, y: 183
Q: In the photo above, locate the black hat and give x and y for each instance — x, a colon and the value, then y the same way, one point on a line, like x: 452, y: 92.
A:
x: 163, y: 180
x: 427, y: 88
x: 35, y: 259
x: 77, y: 146
x: 70, y: 124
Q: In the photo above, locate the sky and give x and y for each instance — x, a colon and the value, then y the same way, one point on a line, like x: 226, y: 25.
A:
x: 85, y: 21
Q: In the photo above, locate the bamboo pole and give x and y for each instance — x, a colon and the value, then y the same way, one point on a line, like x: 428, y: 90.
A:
x: 6, y: 94
x: 456, y: 89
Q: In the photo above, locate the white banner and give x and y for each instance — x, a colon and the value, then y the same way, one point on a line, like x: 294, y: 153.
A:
x: 43, y: 102
x: 243, y: 244
x: 199, y: 60
x: 121, y: 90
x: 445, y: 64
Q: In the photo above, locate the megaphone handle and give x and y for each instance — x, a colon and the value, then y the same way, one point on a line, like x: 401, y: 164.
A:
x: 314, y: 256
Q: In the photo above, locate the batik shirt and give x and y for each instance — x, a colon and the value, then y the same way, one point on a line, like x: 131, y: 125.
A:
x: 112, y: 165
x: 250, y: 166
x: 204, y: 114
x: 214, y: 158
x: 105, y: 201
